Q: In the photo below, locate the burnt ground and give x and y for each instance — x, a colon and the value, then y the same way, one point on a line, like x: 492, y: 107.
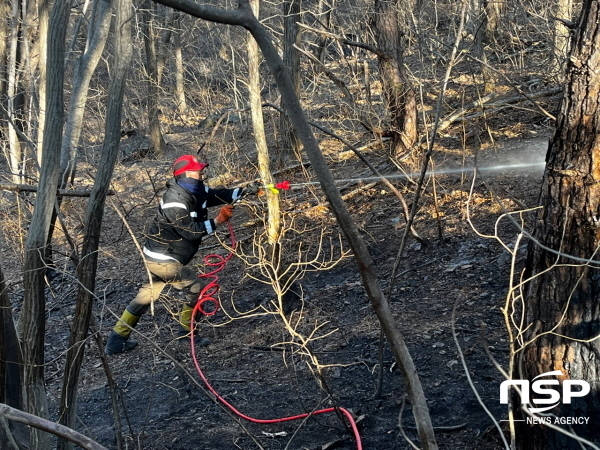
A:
x: 254, y: 361
x: 256, y: 364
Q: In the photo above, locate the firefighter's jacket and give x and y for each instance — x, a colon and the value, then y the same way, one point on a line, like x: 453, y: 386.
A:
x: 182, y: 221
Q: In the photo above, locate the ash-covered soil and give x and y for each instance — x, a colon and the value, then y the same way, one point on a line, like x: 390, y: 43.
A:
x: 327, y: 353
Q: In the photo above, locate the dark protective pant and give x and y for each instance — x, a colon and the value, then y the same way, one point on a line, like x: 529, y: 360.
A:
x: 173, y: 273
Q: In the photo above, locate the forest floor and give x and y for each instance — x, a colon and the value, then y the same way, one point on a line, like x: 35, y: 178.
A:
x: 460, y: 280
x: 446, y: 300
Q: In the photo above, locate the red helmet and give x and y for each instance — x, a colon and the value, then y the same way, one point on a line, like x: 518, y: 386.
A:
x: 186, y: 162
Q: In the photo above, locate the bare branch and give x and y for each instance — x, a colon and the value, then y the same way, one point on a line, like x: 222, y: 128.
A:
x: 51, y: 427
x: 210, y: 13
x: 341, y: 85
x: 343, y: 40
x: 60, y: 192
x: 491, y: 98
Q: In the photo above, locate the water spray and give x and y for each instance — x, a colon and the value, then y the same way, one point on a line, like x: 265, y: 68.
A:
x: 286, y: 185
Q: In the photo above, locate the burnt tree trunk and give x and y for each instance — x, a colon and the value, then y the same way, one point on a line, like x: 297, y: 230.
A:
x: 325, y: 14
x: 490, y: 13
x: 12, y: 435
x: 291, y: 59
x: 399, y: 94
x: 86, y: 271
x: 563, y: 300
x: 33, y: 314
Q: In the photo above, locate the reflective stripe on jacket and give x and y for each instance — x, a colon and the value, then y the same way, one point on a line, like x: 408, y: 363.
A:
x: 182, y: 221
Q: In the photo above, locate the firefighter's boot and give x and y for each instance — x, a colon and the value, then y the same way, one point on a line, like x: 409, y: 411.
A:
x: 185, y: 319
x: 118, y: 341
x: 119, y: 344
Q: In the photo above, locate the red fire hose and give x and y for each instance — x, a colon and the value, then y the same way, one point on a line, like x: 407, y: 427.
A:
x: 206, y: 298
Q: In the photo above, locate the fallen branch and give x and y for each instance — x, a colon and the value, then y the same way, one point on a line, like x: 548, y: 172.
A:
x: 448, y: 428
x: 303, y: 164
x: 355, y: 192
x: 51, y: 427
x: 345, y: 197
x: 492, y: 99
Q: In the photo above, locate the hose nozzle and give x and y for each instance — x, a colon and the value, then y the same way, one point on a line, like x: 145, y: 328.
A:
x: 274, y: 188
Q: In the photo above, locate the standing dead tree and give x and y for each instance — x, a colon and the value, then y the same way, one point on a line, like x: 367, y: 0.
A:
x: 86, y: 270
x: 325, y: 12
x: 244, y: 17
x: 42, y: 50
x: 400, y: 97
x: 15, y: 97
x: 486, y: 28
x: 260, y: 139
x: 11, y: 388
x: 84, y: 69
x: 4, y: 33
x: 291, y: 59
x: 399, y: 94
x: 34, y: 310
x: 151, y: 64
x: 179, y: 70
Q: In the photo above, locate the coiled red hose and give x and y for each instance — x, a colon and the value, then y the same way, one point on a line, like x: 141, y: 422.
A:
x: 208, y: 296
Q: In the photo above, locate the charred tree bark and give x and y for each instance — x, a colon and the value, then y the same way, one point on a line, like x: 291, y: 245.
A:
x: 291, y: 59
x: 12, y: 435
x: 86, y: 271
x: 399, y: 94
x: 562, y: 34
x: 33, y: 312
x: 563, y: 300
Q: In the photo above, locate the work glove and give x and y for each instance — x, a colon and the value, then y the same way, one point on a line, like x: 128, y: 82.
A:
x: 224, y: 215
x: 252, y: 189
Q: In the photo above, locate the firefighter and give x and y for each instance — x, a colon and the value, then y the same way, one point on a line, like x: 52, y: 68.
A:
x: 181, y: 223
